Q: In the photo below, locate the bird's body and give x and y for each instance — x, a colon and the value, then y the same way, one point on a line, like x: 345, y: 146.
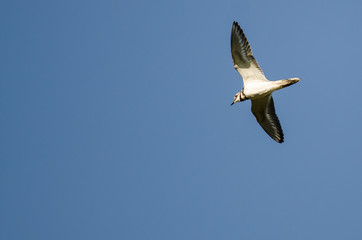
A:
x: 260, y: 89
x: 257, y: 87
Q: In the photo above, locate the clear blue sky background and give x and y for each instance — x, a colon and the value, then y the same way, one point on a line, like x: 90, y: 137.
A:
x: 116, y: 121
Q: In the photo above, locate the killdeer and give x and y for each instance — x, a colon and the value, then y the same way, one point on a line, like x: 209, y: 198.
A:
x: 256, y: 87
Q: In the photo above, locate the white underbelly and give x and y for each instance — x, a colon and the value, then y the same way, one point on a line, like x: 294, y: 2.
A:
x: 258, y: 89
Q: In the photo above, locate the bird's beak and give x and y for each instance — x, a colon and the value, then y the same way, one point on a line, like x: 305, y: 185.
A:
x: 232, y: 103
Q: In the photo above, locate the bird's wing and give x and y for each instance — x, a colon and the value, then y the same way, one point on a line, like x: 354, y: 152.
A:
x: 243, y: 59
x: 264, y: 112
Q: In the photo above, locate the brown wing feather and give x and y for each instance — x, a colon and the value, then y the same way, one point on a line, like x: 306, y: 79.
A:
x: 243, y: 59
x: 264, y: 112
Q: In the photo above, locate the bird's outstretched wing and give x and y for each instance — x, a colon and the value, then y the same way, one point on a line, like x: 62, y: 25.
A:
x: 264, y: 112
x: 243, y: 59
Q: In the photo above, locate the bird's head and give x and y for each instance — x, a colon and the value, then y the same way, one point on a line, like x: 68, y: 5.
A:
x: 239, y: 97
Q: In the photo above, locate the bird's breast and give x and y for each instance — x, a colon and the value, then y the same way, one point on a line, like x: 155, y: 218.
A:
x: 258, y: 89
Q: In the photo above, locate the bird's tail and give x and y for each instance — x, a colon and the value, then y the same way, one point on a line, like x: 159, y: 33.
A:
x: 287, y: 82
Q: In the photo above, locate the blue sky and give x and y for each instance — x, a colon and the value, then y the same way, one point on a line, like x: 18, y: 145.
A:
x: 116, y: 121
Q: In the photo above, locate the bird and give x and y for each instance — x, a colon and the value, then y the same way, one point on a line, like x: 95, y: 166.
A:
x: 256, y: 87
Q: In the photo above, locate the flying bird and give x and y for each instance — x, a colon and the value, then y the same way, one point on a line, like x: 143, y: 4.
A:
x: 256, y: 86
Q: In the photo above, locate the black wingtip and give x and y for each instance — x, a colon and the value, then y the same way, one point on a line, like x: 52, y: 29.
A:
x: 279, y: 139
x: 238, y: 30
x: 236, y: 25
